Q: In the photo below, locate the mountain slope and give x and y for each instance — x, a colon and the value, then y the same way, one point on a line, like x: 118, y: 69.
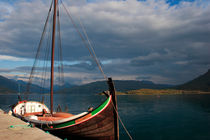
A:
x: 121, y: 85
x: 7, y: 85
x: 202, y: 83
x: 33, y: 88
x: 11, y: 86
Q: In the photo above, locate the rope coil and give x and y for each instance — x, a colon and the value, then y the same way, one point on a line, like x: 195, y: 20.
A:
x: 20, y: 126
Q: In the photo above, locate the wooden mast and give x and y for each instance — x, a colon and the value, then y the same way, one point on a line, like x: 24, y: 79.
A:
x: 115, y: 110
x: 52, y: 57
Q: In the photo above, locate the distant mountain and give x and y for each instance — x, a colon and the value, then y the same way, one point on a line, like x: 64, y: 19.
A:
x: 201, y: 83
x: 66, y: 85
x: 11, y: 86
x: 33, y: 88
x: 121, y: 85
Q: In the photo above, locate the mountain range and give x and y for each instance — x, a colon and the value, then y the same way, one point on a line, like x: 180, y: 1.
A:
x: 201, y: 83
x: 120, y: 85
x: 13, y: 86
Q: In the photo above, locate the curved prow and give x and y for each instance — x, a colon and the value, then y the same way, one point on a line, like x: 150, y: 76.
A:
x: 115, y: 111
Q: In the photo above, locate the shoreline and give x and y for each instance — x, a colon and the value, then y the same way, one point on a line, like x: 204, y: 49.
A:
x: 163, y: 92
x: 143, y: 92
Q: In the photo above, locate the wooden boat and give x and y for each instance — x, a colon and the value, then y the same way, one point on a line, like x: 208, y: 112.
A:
x: 100, y: 123
x: 96, y: 124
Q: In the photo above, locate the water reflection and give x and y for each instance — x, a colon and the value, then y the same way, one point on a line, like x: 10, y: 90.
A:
x: 168, y: 117
x: 198, y: 101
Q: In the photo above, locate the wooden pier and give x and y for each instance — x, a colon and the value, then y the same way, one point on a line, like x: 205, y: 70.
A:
x: 12, y: 128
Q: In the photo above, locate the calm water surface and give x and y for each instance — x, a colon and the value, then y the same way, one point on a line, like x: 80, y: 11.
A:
x: 172, y: 117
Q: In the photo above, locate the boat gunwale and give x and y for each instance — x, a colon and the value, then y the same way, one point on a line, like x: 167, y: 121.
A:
x: 109, y: 99
x: 56, y: 121
x: 66, y: 120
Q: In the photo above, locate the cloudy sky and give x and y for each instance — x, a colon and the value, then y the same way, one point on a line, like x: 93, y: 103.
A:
x: 164, y: 41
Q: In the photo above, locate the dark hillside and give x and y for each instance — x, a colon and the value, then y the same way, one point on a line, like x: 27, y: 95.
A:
x: 201, y: 83
x: 7, y: 85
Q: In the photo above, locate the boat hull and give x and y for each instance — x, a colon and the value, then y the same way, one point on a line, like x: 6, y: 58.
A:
x: 100, y: 127
x: 96, y: 124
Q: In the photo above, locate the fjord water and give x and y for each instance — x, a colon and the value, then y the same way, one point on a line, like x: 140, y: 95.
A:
x: 166, y: 117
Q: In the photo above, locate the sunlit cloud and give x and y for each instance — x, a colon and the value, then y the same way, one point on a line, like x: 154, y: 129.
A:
x: 11, y: 58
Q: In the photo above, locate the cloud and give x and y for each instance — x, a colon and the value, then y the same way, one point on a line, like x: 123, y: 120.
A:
x: 154, y: 39
x: 11, y: 58
x: 5, y: 10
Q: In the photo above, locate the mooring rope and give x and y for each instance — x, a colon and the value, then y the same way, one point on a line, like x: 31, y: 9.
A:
x: 123, y: 125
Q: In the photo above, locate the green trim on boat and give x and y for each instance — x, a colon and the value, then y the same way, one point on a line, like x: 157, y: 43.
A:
x: 92, y: 113
x: 100, y: 107
x: 64, y: 124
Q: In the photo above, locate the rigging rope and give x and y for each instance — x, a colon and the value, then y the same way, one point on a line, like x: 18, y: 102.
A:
x: 60, y: 65
x: 87, y: 44
x: 37, y: 54
x: 97, y: 61
x: 46, y: 57
x: 92, y: 52
x: 84, y: 41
